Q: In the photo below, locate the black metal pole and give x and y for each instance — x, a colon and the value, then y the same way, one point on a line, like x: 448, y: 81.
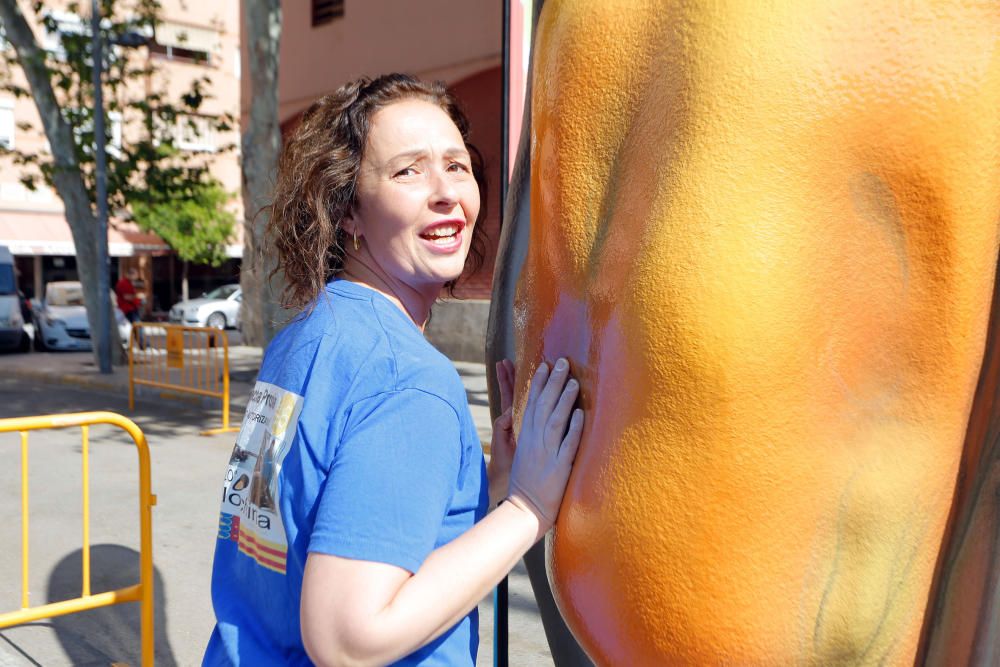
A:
x: 500, y: 601
x: 103, y: 337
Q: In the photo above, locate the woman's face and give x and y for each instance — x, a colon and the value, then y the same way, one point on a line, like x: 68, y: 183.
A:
x: 417, y: 197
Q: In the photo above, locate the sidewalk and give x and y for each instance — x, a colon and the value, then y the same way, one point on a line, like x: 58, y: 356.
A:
x: 76, y: 370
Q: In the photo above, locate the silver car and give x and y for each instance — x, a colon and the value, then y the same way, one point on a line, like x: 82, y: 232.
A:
x: 218, y: 309
x: 61, y: 318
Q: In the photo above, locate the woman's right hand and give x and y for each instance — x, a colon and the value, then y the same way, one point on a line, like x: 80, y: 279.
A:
x: 547, y: 443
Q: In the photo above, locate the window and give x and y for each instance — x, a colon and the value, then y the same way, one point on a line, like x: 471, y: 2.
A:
x: 83, y: 123
x: 7, y: 124
x: 325, y: 11
x: 181, y: 42
x: 194, y: 133
x: 223, y: 292
x: 69, y: 293
x: 66, y: 24
x: 8, y: 285
x: 114, y: 122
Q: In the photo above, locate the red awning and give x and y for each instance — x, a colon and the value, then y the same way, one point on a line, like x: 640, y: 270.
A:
x: 47, y: 233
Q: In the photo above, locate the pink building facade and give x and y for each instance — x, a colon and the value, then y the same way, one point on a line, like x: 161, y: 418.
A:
x: 192, y: 40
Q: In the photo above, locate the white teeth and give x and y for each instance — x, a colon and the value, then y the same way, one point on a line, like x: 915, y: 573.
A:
x: 442, y: 232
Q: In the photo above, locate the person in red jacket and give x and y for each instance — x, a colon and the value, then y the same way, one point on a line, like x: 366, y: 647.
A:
x: 128, y: 299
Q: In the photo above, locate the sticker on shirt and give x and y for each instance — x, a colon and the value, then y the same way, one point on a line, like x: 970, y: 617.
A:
x: 250, y: 515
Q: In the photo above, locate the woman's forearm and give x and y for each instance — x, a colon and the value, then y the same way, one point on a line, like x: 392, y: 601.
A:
x: 449, y: 584
x: 499, y: 484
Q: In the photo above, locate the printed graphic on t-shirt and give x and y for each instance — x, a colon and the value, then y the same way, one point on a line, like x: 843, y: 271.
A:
x: 250, y: 514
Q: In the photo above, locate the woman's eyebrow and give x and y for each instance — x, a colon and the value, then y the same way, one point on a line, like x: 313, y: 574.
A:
x: 422, y: 153
x: 460, y: 151
x: 407, y: 155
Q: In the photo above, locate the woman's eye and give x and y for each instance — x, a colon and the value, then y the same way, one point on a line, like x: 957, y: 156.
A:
x: 406, y: 171
x: 458, y: 166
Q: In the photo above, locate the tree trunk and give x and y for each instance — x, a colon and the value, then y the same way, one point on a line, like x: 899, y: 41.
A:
x: 66, y: 175
x: 185, y: 293
x: 261, y: 142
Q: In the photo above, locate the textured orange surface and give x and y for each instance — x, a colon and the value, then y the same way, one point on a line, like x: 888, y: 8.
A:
x: 765, y: 235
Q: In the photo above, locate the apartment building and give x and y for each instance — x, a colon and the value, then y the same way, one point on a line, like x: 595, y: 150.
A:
x: 191, y: 41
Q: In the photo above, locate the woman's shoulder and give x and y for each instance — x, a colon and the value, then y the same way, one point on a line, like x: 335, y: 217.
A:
x: 331, y: 334
x: 361, y: 334
x: 347, y: 318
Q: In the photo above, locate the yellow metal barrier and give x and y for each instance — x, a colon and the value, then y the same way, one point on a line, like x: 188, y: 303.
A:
x: 141, y: 592
x: 193, y: 360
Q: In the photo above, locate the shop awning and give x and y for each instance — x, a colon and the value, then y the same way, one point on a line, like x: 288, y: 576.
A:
x: 43, y: 233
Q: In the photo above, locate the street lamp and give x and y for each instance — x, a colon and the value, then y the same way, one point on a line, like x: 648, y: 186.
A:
x: 129, y: 39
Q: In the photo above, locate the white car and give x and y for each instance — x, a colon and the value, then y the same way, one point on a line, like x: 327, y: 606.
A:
x: 61, y: 318
x: 218, y: 309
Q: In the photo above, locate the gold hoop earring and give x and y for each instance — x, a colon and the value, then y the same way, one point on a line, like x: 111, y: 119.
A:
x: 357, y: 244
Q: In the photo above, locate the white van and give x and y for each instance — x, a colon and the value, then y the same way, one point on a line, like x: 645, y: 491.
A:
x: 12, y: 334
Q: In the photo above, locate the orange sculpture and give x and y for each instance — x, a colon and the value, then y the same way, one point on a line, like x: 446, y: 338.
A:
x: 766, y: 236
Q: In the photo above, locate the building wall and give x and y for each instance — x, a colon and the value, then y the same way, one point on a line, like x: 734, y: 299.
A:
x: 481, y: 97
x: 33, y: 223
x: 434, y: 39
x: 224, y: 70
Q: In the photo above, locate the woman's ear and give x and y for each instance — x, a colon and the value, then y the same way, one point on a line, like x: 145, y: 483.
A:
x: 349, y: 223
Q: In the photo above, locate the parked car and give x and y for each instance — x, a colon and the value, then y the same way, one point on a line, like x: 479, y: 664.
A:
x: 12, y: 331
x: 218, y: 309
x: 61, y: 318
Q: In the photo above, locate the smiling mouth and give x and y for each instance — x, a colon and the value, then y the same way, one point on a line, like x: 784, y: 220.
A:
x: 443, y: 234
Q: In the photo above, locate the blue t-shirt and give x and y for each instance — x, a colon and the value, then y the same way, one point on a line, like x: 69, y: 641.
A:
x: 357, y: 442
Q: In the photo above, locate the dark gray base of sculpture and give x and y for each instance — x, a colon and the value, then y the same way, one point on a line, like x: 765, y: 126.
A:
x: 565, y: 651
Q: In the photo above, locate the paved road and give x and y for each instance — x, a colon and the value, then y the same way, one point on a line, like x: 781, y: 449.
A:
x: 187, y: 471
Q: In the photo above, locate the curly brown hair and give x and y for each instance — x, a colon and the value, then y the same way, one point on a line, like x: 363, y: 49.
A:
x: 317, y: 178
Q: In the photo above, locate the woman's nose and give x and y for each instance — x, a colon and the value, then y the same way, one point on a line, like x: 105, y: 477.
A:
x: 443, y: 191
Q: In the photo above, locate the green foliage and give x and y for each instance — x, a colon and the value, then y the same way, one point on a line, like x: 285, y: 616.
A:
x: 196, y: 224
x: 146, y: 168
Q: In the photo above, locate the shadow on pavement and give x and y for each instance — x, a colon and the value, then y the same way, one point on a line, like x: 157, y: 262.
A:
x: 159, y: 418
x: 477, y: 397
x: 109, y: 634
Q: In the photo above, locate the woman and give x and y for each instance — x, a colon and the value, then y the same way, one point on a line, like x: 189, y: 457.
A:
x: 375, y: 546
